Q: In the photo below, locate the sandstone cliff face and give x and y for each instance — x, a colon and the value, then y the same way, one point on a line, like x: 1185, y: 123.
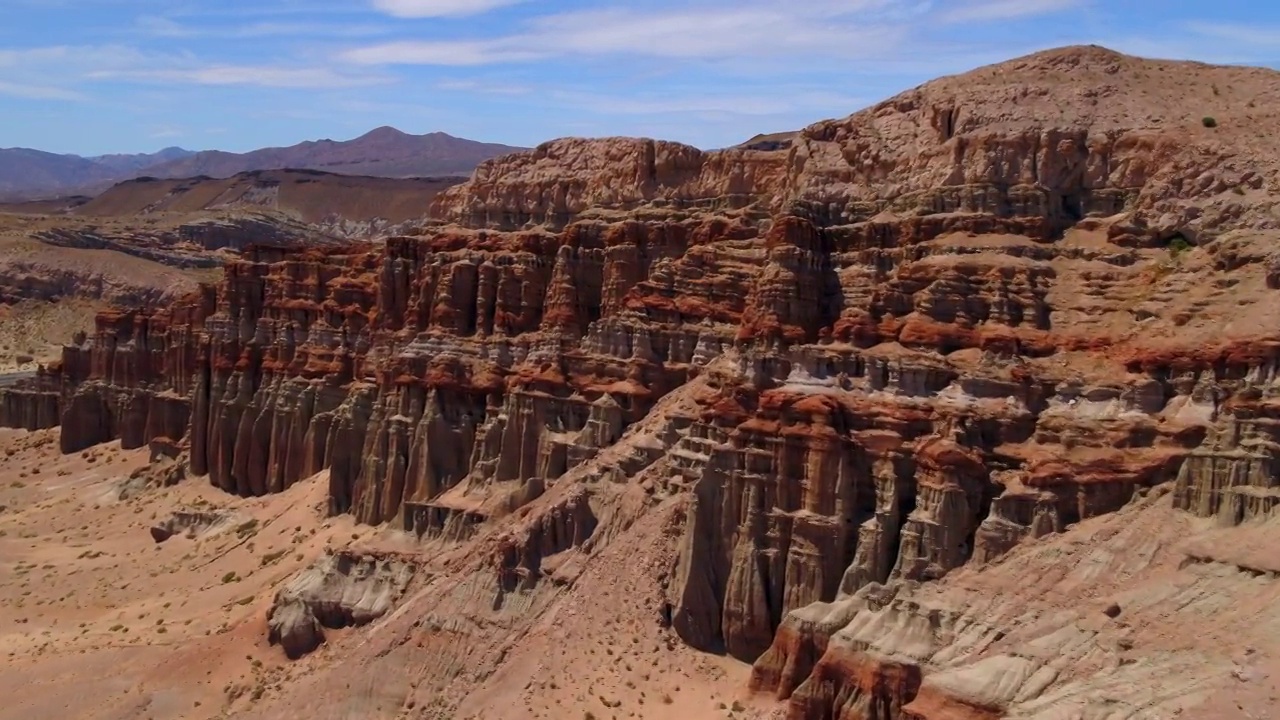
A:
x: 561, y: 180
x: 1074, y: 630
x: 886, y: 354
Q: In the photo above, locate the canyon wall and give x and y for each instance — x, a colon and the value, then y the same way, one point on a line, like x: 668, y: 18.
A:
x: 900, y: 347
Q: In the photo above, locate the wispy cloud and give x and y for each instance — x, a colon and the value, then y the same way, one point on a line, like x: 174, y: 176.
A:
x: 831, y: 28
x: 47, y: 69
x: 37, y: 92
x: 259, y: 76
x: 439, y: 8
x: 996, y: 10
x: 1264, y: 36
x: 167, y: 132
x: 165, y: 27
x: 759, y: 30
x: 455, y: 53
x: 484, y: 87
x: 263, y: 8
x: 39, y: 58
x: 54, y: 72
x: 700, y: 103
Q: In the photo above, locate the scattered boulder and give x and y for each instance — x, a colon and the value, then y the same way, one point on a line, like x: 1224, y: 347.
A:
x: 163, y: 471
x: 163, y: 448
x: 340, y: 590
x: 192, y: 523
x: 294, y: 627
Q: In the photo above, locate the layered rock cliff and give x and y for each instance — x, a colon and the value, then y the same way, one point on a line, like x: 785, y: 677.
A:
x: 894, y: 350
x: 1040, y: 143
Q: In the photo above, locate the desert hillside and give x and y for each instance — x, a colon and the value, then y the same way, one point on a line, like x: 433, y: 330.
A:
x: 149, y: 241
x: 309, y: 196
x: 960, y: 407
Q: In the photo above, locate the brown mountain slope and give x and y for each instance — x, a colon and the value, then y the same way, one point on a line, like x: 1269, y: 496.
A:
x: 1099, y: 130
x: 310, y: 196
x: 962, y: 407
x: 25, y: 172
x: 1061, y: 134
x: 384, y: 152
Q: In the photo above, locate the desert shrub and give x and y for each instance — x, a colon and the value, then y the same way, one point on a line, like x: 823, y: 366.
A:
x: 1209, y: 122
x: 1178, y: 245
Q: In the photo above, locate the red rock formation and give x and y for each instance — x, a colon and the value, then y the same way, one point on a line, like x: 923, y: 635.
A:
x: 898, y: 347
x: 34, y: 404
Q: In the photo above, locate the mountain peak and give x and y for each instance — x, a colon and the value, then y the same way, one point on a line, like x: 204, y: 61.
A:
x: 386, y: 132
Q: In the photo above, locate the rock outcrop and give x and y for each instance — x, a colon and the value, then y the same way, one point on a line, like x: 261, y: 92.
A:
x: 193, y: 524
x: 32, y: 404
x: 195, y: 244
x: 340, y: 590
x: 886, y: 353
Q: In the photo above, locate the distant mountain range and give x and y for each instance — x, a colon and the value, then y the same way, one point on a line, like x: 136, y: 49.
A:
x: 384, y: 152
x: 32, y: 173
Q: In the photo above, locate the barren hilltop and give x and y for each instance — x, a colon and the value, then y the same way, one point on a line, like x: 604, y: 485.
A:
x: 960, y: 407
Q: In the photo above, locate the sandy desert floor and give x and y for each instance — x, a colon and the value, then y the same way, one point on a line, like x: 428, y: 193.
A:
x: 98, y: 620
x: 102, y: 621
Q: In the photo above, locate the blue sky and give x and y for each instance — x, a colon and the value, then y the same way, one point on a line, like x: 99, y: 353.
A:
x: 99, y: 76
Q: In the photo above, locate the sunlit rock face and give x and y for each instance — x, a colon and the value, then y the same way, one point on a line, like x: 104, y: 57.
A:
x: 898, y: 349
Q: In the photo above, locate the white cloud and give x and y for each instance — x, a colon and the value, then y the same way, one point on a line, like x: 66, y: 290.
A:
x: 1266, y: 36
x: 37, y: 58
x: 157, y: 26
x: 760, y: 30
x: 350, y: 30
x: 167, y: 132
x: 486, y: 88
x: 698, y: 103
x: 996, y: 10
x: 439, y: 8
x: 259, y: 76
x: 72, y: 60
x: 458, y: 53
x: 763, y: 28
x: 37, y: 92
x: 164, y: 27
x: 56, y: 72
x: 53, y: 72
